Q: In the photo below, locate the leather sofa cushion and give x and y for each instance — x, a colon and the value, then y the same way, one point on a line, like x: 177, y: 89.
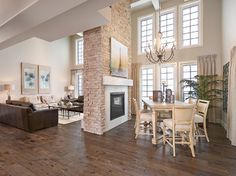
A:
x: 20, y: 103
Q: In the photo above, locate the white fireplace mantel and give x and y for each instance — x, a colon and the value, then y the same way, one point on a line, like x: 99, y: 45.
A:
x: 112, y: 85
x: 115, y: 81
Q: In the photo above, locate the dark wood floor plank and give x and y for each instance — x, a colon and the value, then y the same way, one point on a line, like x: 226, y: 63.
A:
x: 67, y: 151
x: 18, y: 170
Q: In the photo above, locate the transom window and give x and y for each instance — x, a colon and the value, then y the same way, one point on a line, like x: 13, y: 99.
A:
x: 167, y: 28
x: 189, y: 71
x: 146, y: 82
x: 167, y: 76
x: 191, y: 25
x: 80, y: 51
x: 146, y: 30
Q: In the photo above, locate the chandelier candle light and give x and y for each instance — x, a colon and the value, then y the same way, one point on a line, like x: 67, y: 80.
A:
x: 157, y: 53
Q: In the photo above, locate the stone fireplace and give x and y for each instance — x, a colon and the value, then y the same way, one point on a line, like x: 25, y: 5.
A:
x: 98, y: 84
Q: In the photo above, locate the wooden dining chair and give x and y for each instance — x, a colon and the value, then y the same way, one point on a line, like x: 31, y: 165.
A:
x: 182, y: 127
x: 200, y: 118
x: 143, y: 121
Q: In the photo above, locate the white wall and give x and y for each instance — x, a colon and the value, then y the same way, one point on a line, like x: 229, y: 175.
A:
x: 228, y: 27
x: 36, y: 51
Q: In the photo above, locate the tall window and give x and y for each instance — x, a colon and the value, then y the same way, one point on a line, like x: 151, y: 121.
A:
x: 146, y: 32
x: 190, y: 24
x: 189, y: 71
x: 79, y: 83
x: 146, y: 82
x: 167, y: 76
x: 80, y: 51
x: 167, y: 28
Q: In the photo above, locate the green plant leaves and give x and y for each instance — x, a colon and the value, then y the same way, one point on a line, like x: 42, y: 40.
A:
x: 205, y: 87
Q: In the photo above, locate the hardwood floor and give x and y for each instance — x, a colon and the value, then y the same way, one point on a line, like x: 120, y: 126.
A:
x: 67, y: 151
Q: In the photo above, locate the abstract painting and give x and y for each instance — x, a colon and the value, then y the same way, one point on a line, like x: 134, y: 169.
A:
x: 119, y: 59
x: 29, y: 81
x: 44, y: 79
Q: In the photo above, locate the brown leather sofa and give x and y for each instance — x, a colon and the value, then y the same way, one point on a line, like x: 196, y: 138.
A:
x: 23, y: 116
x: 79, y: 102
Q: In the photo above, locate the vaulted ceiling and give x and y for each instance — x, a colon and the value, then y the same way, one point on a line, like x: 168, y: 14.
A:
x: 49, y: 19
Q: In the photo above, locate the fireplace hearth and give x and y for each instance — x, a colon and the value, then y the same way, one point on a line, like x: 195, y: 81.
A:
x: 117, y: 105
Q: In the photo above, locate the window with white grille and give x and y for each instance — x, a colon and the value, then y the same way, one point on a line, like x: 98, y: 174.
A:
x: 79, y: 84
x: 189, y: 71
x: 146, y: 82
x: 146, y: 32
x: 167, y: 28
x: 80, y: 51
x: 191, y: 24
x: 168, y: 76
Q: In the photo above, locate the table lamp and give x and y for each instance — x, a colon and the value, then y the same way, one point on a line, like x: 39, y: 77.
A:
x: 8, y: 88
x: 70, y: 88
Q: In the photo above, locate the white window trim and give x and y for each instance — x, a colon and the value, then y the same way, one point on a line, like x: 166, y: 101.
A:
x: 163, y: 12
x: 175, y: 77
x: 76, y: 59
x: 152, y: 66
x: 181, y: 64
x: 199, y: 2
x: 139, y: 30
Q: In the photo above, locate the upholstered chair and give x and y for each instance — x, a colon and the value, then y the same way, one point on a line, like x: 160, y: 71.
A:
x: 181, y: 126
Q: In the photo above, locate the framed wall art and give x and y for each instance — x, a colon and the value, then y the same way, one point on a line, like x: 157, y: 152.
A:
x: 44, y: 79
x: 119, y: 59
x: 29, y: 78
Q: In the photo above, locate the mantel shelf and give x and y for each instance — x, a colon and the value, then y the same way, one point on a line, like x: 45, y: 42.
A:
x: 115, y: 81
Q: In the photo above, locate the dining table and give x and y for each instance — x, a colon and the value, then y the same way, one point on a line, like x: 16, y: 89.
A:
x: 158, y: 107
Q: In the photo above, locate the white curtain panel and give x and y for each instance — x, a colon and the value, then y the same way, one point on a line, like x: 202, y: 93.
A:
x: 231, y: 111
x: 207, y: 66
x: 135, y: 89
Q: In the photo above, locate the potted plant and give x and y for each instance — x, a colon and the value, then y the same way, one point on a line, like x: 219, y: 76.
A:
x: 204, y: 87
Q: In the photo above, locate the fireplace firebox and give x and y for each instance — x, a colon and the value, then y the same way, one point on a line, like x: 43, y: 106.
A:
x: 117, y: 105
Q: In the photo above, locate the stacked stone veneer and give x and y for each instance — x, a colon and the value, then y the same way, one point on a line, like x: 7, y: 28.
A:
x: 97, y: 63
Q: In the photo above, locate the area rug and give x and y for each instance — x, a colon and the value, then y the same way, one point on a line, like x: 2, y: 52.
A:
x: 64, y: 120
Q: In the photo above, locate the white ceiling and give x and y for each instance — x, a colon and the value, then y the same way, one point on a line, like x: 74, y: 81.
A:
x: 11, y: 8
x: 49, y: 19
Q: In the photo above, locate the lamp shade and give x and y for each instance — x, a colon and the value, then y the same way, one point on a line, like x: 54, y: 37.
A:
x: 71, y: 88
x: 7, y: 87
